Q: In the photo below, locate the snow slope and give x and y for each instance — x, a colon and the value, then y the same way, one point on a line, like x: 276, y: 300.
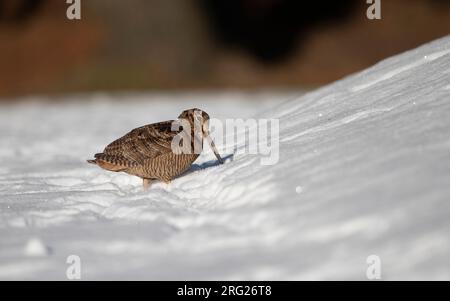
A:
x: 364, y: 169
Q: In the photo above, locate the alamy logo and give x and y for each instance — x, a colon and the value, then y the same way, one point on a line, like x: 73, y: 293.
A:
x: 251, y: 135
x: 374, y: 10
x: 373, y: 271
x: 73, y: 12
x: 73, y: 272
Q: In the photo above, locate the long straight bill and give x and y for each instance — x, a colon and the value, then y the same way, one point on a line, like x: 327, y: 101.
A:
x: 213, y: 147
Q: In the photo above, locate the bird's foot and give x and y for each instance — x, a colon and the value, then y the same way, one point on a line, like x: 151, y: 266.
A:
x: 146, y: 184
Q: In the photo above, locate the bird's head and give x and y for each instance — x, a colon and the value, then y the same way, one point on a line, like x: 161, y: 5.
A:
x: 197, y: 117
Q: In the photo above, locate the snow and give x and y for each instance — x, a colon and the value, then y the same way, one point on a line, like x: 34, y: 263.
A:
x: 364, y: 170
x: 35, y: 247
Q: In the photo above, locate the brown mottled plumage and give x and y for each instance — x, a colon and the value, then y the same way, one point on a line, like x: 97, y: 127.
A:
x: 146, y: 151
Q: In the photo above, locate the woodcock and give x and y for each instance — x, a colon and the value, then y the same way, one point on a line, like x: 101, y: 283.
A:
x: 148, y: 151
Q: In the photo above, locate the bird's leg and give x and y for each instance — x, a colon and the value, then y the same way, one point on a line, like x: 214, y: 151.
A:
x: 146, y: 184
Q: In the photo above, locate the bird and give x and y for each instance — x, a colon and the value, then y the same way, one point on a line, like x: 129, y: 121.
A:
x: 159, y: 151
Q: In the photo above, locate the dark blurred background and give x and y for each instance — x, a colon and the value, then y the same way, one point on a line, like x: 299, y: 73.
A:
x: 138, y: 45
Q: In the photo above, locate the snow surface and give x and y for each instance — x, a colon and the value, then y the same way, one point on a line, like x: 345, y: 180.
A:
x: 364, y: 169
